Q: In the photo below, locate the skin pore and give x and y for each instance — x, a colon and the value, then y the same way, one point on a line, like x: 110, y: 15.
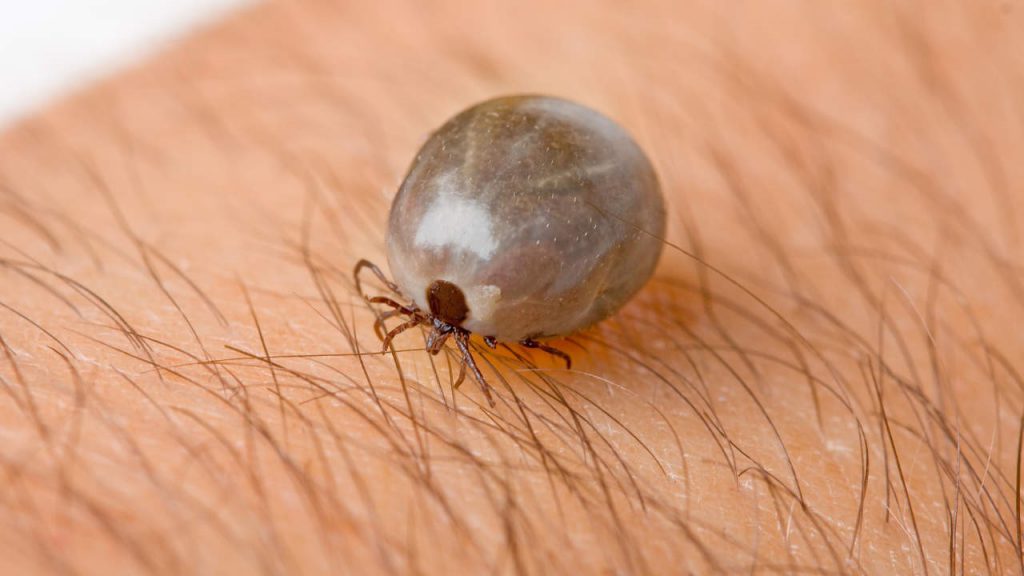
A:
x: 825, y: 375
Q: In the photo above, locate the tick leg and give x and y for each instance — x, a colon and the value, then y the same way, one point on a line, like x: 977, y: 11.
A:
x: 462, y: 340
x: 436, y: 340
x: 377, y: 272
x: 407, y: 310
x: 415, y: 317
x: 398, y: 330
x: 531, y: 343
x: 378, y: 324
x: 462, y: 374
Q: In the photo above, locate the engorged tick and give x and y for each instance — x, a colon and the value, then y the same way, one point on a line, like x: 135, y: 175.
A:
x: 473, y: 233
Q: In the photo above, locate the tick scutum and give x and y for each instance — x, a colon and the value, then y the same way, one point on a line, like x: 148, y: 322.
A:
x: 447, y: 302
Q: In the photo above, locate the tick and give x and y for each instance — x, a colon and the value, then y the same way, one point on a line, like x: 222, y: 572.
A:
x: 522, y: 218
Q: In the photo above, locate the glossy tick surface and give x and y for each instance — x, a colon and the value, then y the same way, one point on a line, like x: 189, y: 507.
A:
x: 521, y: 218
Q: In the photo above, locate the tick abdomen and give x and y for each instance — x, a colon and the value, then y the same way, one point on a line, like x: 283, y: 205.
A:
x: 544, y: 213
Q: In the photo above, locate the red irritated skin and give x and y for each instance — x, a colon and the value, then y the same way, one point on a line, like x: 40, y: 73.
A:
x: 526, y: 217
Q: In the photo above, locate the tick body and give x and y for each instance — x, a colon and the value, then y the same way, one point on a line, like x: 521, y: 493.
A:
x: 521, y: 218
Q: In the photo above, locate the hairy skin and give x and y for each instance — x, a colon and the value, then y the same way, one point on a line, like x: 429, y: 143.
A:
x: 826, y: 374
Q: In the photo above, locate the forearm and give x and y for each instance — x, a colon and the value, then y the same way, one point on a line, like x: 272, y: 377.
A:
x: 824, y: 375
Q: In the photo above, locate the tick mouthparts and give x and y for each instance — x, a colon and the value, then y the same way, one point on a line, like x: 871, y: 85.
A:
x: 432, y: 346
x: 436, y: 339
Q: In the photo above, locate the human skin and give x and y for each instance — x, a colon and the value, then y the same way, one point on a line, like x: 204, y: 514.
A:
x: 825, y: 374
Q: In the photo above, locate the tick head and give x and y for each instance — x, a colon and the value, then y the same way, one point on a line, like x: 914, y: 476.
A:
x: 447, y: 302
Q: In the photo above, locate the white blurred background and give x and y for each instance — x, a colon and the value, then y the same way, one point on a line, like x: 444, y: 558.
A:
x: 48, y: 47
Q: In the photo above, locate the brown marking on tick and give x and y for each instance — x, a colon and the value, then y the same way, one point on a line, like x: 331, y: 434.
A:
x: 447, y: 302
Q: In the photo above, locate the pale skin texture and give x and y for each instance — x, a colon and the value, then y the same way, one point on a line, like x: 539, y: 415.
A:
x: 825, y: 374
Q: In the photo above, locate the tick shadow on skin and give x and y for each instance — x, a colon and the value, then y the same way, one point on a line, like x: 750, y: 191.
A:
x: 677, y: 361
x: 682, y: 373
